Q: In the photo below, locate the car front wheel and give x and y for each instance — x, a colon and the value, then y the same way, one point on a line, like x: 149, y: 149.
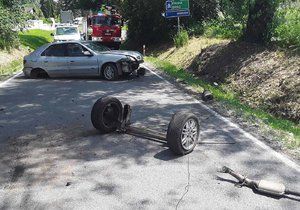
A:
x: 110, y: 72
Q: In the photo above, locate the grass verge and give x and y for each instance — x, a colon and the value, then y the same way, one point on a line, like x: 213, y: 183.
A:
x: 231, y: 100
x: 35, y: 38
x: 31, y: 39
x: 9, y: 69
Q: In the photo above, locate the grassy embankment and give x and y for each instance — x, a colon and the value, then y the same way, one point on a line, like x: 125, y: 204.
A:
x: 31, y: 40
x: 175, y: 61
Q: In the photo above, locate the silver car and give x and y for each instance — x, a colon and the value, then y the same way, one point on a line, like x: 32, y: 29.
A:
x: 72, y: 59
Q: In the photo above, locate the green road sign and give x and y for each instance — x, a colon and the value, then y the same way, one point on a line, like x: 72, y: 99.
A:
x: 180, y: 5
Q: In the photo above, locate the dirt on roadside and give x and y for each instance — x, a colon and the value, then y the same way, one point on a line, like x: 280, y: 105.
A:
x: 8, y: 56
x: 261, y: 77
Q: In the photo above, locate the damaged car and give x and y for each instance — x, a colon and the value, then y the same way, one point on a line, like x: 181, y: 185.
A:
x: 81, y: 59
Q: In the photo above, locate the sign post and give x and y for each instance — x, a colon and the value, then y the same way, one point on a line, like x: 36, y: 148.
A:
x: 177, y: 9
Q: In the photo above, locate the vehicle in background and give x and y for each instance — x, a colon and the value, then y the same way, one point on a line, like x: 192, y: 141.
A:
x: 105, y: 28
x: 66, y: 33
x: 66, y: 16
x: 87, y: 58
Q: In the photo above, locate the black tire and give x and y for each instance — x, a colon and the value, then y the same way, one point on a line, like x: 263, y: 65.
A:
x: 110, y: 72
x: 106, y: 114
x: 141, y: 72
x: 175, y: 134
x: 38, y: 73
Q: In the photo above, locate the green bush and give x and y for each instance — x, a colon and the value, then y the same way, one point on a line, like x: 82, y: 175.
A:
x: 287, y: 29
x: 227, y: 29
x: 195, y: 29
x: 181, y: 39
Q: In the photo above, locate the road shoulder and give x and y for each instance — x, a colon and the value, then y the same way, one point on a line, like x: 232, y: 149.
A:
x: 266, y: 136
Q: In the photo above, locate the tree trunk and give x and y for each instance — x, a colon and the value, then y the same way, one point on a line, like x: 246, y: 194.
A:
x: 261, y: 14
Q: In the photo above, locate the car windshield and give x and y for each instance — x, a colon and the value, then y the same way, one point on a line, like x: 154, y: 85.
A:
x: 106, y: 21
x: 97, y: 48
x: 66, y: 31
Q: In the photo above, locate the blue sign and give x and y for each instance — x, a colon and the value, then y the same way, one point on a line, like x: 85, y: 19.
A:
x: 173, y: 14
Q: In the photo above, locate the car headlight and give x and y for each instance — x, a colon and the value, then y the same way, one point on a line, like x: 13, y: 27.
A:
x: 130, y: 58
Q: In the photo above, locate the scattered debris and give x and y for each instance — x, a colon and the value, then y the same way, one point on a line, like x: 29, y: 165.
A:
x: 207, y: 96
x: 262, y: 186
x: 68, y: 184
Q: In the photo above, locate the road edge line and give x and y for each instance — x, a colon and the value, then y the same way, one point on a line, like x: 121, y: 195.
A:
x: 2, y: 84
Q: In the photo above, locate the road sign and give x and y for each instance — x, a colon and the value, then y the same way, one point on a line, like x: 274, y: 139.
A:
x: 173, y: 14
x: 177, y: 5
x: 177, y: 8
x: 168, y: 5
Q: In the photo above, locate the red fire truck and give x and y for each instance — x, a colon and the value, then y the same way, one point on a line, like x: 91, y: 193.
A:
x: 105, y: 28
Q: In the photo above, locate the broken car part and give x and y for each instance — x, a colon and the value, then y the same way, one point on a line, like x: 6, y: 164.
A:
x: 108, y: 115
x: 207, y: 96
x: 263, y: 186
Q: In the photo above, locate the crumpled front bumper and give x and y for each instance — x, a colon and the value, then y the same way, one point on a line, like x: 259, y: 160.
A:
x: 128, y: 67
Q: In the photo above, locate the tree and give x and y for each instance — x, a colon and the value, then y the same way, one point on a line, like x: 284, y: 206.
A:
x: 146, y: 23
x: 96, y: 4
x: 203, y: 9
x: 260, y: 20
x: 48, y: 8
x: 11, y: 17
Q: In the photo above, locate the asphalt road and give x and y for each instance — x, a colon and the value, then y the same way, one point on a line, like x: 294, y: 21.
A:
x: 47, y: 142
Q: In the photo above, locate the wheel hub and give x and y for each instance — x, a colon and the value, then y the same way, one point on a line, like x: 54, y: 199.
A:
x: 109, y: 72
x: 189, y: 134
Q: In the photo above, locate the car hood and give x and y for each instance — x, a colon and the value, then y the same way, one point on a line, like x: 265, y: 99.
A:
x: 134, y: 54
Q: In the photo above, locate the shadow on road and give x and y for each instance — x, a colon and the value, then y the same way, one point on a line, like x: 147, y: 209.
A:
x: 47, y: 139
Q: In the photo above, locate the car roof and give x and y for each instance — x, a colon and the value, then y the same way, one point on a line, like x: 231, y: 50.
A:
x: 66, y: 26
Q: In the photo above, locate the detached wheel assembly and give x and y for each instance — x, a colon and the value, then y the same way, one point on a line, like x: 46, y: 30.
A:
x: 183, y: 133
x: 108, y: 115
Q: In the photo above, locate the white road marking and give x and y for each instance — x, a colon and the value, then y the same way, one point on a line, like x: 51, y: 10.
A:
x: 279, y: 156
x: 3, y: 84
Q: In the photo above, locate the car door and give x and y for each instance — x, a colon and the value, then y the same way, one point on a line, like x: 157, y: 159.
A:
x: 82, y: 61
x: 54, y: 60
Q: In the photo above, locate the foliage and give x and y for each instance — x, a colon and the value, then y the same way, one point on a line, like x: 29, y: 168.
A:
x: 236, y: 10
x: 92, y: 4
x: 11, y: 17
x: 181, y: 39
x: 227, y: 29
x: 9, y: 69
x: 195, y: 29
x: 203, y: 10
x: 48, y: 8
x: 146, y: 24
x: 35, y: 38
x: 287, y: 27
x: 260, y: 21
